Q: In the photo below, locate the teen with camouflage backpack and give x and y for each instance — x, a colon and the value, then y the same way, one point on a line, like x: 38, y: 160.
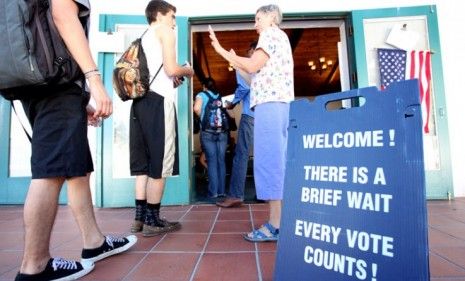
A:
x: 153, y: 143
x: 60, y: 151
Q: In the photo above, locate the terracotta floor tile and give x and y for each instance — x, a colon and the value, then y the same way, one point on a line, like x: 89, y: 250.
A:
x: 179, y: 208
x: 195, y: 227
x: 260, y: 217
x: 165, y: 267
x: 173, y: 215
x: 200, y: 216
x: 12, y: 225
x: 10, y: 260
x: 232, y: 227
x: 228, y: 243
x: 11, y: 241
x: 209, y: 207
x: 267, y: 247
x: 440, y: 220
x: 237, y: 214
x: 115, y: 268
x: 146, y: 244
x: 440, y: 267
x: 260, y: 207
x: 267, y: 265
x: 227, y: 267
x: 453, y: 254
x: 437, y: 238
x: 10, y: 275
x: 180, y: 242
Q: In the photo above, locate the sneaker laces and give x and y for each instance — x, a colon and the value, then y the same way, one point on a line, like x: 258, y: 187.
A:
x: 59, y: 263
x: 110, y: 240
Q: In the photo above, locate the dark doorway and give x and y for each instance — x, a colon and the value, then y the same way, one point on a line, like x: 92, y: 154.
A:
x: 317, y: 71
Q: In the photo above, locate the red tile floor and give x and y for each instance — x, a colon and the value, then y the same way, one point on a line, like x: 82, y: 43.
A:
x: 209, y: 246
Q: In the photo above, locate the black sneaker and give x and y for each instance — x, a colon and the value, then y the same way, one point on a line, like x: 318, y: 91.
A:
x: 58, y: 269
x: 111, y: 246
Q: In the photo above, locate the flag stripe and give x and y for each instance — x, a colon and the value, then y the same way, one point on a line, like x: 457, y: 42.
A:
x: 398, y: 65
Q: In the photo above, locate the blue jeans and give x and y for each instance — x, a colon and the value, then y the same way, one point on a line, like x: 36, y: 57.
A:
x: 214, y: 146
x: 241, y: 157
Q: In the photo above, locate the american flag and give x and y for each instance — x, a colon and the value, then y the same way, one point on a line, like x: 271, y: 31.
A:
x: 397, y: 65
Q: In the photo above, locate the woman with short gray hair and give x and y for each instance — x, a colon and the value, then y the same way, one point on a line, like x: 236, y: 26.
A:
x: 272, y: 89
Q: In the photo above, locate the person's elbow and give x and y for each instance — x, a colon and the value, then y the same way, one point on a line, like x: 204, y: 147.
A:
x: 171, y: 70
x: 253, y: 67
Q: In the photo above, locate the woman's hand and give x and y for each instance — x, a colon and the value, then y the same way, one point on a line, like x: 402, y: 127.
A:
x: 215, y: 43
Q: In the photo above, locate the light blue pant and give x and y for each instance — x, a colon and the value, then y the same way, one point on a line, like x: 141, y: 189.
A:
x: 270, y: 148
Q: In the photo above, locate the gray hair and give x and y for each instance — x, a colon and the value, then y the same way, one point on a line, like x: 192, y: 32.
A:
x: 272, y: 9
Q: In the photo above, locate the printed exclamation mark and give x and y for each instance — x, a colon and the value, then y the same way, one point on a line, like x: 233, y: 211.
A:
x: 392, y: 133
x: 374, y: 271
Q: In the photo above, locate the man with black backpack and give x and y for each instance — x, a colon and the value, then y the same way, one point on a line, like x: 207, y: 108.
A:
x: 60, y: 152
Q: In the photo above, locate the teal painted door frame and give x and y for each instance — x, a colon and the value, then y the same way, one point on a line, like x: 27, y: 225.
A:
x: 438, y: 182
x: 119, y: 192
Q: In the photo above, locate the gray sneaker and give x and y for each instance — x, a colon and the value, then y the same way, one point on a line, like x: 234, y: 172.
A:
x: 136, y: 226
x: 163, y: 226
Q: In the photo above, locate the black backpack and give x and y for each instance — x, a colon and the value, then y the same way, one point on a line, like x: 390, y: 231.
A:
x: 131, y: 72
x: 32, y: 53
x: 215, y: 117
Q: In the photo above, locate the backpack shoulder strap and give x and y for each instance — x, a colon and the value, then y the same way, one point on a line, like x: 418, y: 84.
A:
x: 209, y: 95
x: 156, y: 74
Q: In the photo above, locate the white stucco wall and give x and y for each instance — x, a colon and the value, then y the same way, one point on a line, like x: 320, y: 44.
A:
x: 451, y: 34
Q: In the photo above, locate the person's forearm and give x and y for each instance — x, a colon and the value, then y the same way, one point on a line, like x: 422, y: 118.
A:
x: 65, y: 16
x: 244, y: 64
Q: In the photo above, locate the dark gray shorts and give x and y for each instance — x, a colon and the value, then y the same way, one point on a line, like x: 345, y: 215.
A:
x: 59, y: 140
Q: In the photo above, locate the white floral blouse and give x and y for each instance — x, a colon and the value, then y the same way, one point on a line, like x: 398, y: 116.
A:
x: 274, y: 82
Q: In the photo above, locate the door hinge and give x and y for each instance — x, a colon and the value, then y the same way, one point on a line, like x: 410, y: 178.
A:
x: 350, y: 30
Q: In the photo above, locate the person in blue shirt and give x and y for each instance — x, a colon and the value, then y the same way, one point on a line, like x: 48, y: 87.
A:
x: 244, y: 140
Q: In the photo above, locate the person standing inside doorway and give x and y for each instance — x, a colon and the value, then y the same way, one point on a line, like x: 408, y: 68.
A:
x: 60, y: 152
x: 213, y: 137
x: 271, y: 91
x: 153, y: 132
x: 244, y: 139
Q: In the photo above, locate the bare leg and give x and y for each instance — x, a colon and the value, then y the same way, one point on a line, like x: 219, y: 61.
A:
x: 80, y: 201
x: 140, y: 189
x: 40, y: 209
x: 275, y: 213
x: 155, y: 188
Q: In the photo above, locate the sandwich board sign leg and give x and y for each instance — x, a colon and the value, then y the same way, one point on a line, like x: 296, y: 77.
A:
x: 354, y: 204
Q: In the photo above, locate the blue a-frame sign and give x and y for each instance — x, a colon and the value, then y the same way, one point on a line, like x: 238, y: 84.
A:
x: 354, y: 203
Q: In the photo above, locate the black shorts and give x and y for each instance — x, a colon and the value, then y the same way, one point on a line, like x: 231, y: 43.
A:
x: 153, y: 141
x: 59, y: 133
